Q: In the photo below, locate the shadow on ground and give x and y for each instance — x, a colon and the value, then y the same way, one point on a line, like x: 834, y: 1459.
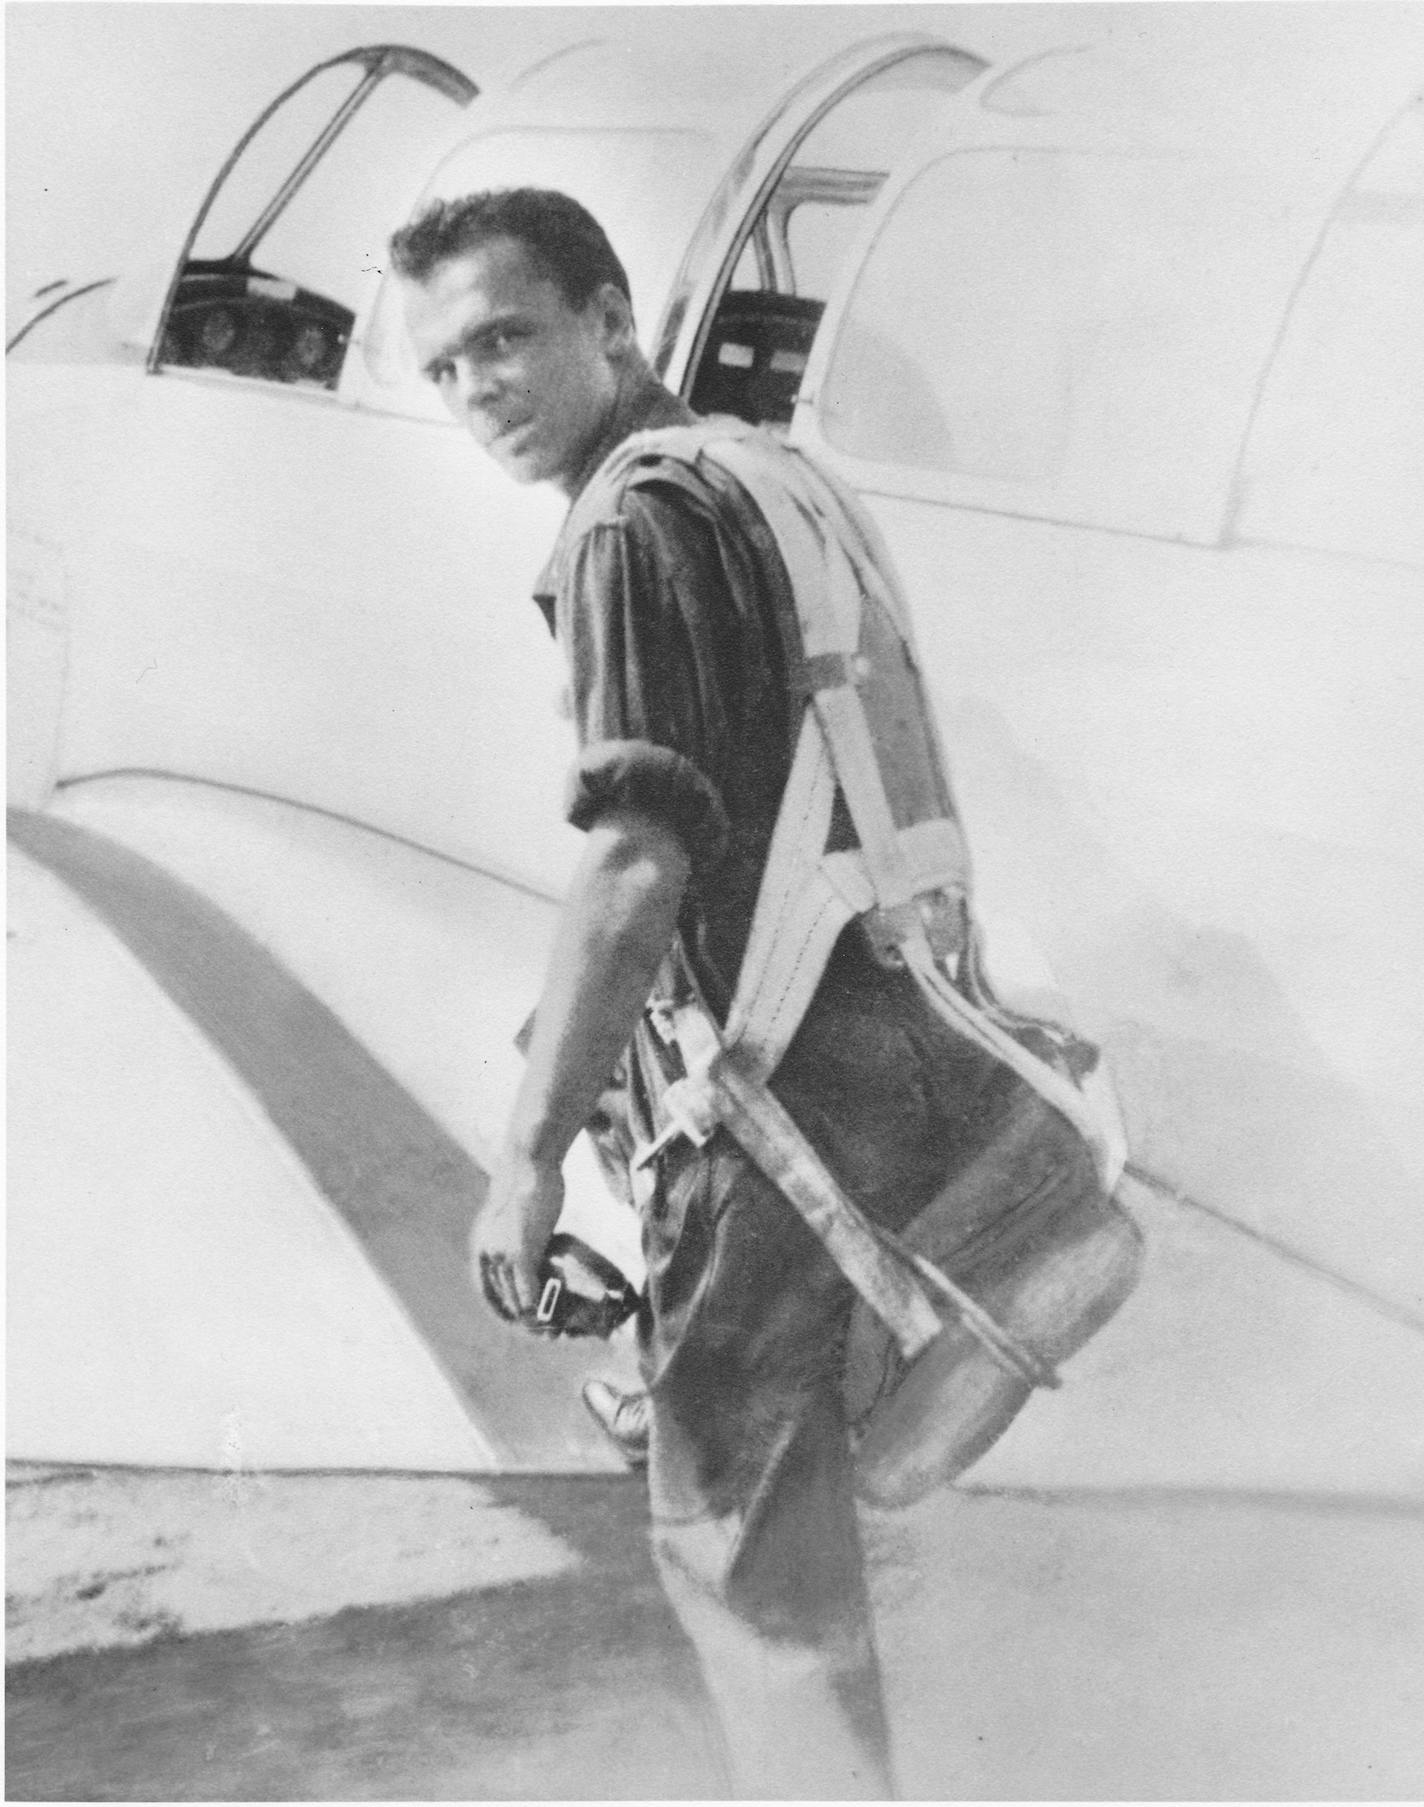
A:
x: 569, y: 1686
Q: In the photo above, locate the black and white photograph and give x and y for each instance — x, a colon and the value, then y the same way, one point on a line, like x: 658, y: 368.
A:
x: 715, y: 806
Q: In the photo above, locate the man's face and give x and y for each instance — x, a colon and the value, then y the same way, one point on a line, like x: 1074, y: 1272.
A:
x: 532, y: 378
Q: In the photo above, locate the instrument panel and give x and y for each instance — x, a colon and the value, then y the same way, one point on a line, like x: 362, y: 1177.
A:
x: 255, y: 325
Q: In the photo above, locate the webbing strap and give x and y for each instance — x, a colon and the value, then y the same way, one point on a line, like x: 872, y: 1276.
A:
x: 806, y: 895
x: 766, y: 1131
x: 800, y: 913
x: 928, y: 848
x: 842, y: 718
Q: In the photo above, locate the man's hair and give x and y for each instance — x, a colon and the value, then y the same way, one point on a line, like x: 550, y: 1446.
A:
x: 561, y: 236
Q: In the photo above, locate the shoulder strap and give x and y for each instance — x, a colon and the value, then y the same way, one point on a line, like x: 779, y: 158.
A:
x: 920, y: 866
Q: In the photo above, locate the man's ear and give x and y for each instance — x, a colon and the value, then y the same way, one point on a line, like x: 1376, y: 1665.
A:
x: 615, y: 319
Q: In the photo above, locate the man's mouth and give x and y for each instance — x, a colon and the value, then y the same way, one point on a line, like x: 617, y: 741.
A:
x: 505, y: 436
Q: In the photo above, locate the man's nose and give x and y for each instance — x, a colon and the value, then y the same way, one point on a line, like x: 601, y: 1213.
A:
x: 474, y: 387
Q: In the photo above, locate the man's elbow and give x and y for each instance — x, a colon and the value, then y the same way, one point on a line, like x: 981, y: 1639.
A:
x: 644, y: 858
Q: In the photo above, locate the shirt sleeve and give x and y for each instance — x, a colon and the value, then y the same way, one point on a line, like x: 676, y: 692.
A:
x: 648, y: 618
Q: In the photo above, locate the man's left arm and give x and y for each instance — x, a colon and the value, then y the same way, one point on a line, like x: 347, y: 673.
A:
x: 617, y: 924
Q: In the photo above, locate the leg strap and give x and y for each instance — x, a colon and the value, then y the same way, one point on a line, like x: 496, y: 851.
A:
x: 888, y: 1275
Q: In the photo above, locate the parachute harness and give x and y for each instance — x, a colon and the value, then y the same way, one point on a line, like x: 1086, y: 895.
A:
x: 909, y: 884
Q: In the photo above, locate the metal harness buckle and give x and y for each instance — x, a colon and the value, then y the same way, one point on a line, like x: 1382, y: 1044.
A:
x: 939, y: 914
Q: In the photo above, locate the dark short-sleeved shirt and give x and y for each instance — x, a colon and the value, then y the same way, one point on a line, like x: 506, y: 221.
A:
x: 667, y: 607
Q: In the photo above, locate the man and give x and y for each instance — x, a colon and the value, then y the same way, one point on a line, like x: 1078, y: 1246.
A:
x: 664, y: 598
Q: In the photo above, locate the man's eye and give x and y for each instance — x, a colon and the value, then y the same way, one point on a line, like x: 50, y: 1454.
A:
x: 441, y: 373
x: 509, y: 339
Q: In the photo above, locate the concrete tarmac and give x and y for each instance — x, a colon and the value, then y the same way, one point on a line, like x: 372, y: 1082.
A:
x: 176, y: 1636
x: 551, y: 1671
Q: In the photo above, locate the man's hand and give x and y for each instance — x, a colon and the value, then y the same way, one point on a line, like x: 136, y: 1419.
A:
x: 512, y: 1231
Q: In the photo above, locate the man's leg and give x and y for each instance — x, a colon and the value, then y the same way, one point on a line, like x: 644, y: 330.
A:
x: 754, y: 1527
x: 776, y: 1606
